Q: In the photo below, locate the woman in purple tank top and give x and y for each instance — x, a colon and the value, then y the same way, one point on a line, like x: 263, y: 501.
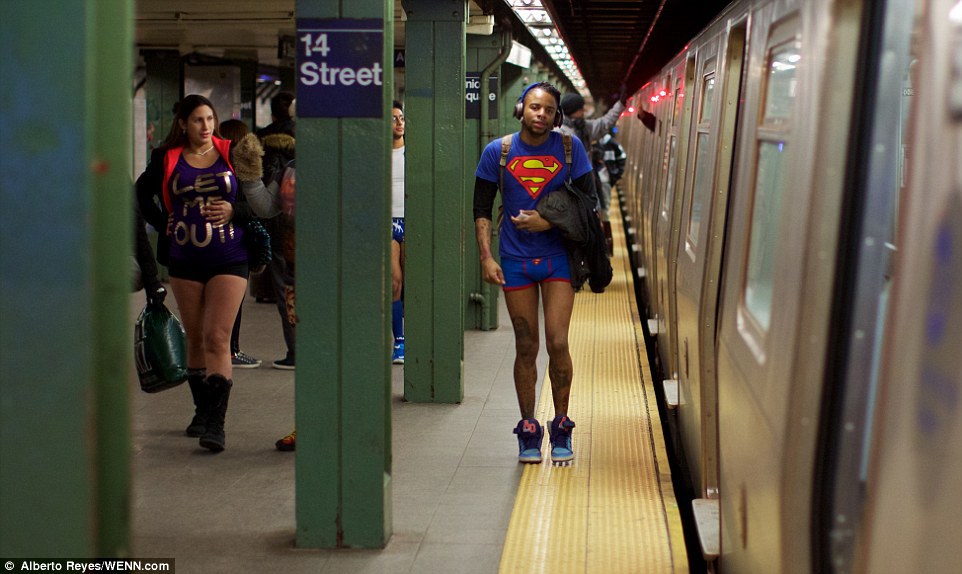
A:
x: 207, y: 258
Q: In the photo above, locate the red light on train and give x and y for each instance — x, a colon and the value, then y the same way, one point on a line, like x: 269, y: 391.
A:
x: 631, y: 109
x: 663, y: 93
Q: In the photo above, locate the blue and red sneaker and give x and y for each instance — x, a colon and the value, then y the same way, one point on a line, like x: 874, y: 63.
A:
x: 530, y: 435
x: 561, y: 439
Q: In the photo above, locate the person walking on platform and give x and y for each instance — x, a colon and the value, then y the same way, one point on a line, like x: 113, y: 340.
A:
x: 204, y: 217
x: 278, y: 142
x: 235, y: 130
x: 614, y: 155
x: 589, y: 130
x: 527, y: 166
x: 275, y: 200
x: 397, y: 233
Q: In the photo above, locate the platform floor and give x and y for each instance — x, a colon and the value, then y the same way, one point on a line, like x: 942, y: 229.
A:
x: 454, y: 486
x: 233, y: 512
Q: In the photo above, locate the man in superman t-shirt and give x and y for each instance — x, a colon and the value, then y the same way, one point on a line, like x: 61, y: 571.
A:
x: 534, y: 262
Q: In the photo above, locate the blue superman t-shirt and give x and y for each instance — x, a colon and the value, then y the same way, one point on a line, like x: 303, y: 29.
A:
x: 529, y: 174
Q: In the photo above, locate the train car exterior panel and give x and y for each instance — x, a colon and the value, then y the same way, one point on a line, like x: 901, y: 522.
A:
x: 914, y: 507
x: 781, y: 78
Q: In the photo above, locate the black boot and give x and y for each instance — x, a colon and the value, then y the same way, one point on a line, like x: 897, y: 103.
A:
x: 219, y: 388
x: 195, y: 378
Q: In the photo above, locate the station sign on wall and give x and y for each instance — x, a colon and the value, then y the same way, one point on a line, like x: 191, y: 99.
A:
x: 340, y: 68
x: 472, y: 96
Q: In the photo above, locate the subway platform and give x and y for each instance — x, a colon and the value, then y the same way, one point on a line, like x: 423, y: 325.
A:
x: 455, y: 479
x: 455, y: 471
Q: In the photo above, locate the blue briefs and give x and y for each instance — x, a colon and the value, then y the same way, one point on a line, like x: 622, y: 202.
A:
x: 523, y: 273
x: 397, y: 229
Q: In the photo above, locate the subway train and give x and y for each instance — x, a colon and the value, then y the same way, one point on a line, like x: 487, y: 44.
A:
x: 795, y: 223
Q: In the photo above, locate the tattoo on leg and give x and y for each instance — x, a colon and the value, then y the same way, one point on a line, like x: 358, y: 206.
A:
x: 521, y: 328
x: 560, y: 374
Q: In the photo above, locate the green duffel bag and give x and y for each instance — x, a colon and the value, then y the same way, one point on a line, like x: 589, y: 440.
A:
x: 160, y: 349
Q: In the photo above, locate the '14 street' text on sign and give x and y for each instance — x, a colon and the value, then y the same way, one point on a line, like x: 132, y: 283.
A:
x: 340, y: 70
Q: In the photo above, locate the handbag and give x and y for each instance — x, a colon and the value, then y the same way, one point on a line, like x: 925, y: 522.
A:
x: 160, y: 349
x: 258, y: 242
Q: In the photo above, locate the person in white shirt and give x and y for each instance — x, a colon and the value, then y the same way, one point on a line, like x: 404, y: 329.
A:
x: 397, y: 233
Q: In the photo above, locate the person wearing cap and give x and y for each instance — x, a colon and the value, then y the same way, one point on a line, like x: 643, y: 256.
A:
x: 588, y: 131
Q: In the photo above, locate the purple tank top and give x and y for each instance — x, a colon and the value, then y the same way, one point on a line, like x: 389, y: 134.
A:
x: 193, y: 239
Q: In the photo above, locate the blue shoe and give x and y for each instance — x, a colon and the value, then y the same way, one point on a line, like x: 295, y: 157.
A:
x: 530, y: 435
x: 561, y: 439
x: 397, y: 358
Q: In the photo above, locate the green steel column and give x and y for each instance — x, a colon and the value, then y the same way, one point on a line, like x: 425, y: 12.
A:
x: 343, y: 379
x: 165, y: 80
x: 64, y: 249
x: 481, y: 310
x: 109, y: 113
x: 434, y: 208
x: 248, y: 91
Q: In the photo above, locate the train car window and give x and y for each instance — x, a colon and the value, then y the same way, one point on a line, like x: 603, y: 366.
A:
x: 769, y: 182
x: 702, y: 177
x: 772, y: 138
x: 780, y: 93
x: 703, y: 165
x: 670, y: 179
x: 679, y: 99
x: 708, y: 94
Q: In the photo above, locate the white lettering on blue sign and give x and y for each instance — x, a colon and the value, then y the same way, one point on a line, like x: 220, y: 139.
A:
x: 313, y: 74
x: 340, y: 68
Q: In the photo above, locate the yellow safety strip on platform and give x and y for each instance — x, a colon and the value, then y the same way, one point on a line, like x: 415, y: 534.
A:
x: 613, y: 509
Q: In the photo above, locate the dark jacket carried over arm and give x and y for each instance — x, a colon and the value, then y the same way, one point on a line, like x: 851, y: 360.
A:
x: 572, y: 210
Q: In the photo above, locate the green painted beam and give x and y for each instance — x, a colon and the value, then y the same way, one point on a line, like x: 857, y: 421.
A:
x: 435, y: 203
x: 109, y: 112
x: 481, y: 309
x: 164, y: 88
x: 343, y: 379
x: 65, y: 244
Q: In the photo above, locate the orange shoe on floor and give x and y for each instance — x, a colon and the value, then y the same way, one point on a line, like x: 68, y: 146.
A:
x: 287, y: 443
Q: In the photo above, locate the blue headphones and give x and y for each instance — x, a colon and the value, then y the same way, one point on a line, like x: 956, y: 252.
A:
x: 519, y: 107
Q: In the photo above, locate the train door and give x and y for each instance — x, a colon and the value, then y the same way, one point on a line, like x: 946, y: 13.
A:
x: 762, y: 255
x: 913, y: 515
x: 653, y: 197
x: 863, y: 289
x: 675, y: 232
x: 663, y: 218
x: 691, y: 257
x: 729, y: 93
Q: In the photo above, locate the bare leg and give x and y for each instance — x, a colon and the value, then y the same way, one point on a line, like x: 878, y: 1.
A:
x: 222, y: 298
x: 190, y: 303
x: 523, y: 310
x: 559, y: 300
x: 397, y: 270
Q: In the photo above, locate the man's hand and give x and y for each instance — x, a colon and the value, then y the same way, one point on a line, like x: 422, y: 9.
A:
x: 530, y: 220
x: 491, y: 272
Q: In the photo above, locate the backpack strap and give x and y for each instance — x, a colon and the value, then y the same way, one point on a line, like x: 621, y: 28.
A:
x: 566, y: 140
x: 505, y: 148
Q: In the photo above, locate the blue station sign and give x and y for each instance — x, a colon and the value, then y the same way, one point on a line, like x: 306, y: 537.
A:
x: 340, y: 71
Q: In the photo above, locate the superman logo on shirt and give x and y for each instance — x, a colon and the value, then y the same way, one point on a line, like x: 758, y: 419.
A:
x: 534, y: 172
